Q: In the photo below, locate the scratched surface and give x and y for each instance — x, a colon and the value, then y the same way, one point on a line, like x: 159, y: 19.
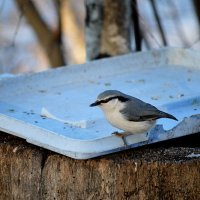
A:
x: 168, y: 79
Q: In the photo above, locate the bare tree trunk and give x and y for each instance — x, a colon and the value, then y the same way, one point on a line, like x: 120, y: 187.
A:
x: 108, y: 25
x: 152, y: 173
x: 73, y: 33
x: 157, y: 19
x: 50, y: 40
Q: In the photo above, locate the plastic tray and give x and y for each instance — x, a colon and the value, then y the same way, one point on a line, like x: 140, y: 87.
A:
x: 167, y: 78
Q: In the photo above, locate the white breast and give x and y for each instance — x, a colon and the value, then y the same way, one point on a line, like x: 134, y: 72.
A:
x: 115, y: 117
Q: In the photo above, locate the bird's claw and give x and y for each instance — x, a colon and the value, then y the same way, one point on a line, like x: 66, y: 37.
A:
x: 122, y: 136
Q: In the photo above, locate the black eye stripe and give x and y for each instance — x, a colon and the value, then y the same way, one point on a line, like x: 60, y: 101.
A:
x: 123, y: 99
x: 120, y: 98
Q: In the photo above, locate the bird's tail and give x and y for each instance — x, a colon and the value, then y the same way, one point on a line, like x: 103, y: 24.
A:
x: 166, y: 115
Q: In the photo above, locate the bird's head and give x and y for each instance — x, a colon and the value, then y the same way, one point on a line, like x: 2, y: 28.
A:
x: 110, y: 100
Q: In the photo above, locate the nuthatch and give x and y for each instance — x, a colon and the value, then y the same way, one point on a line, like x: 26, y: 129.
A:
x: 128, y: 113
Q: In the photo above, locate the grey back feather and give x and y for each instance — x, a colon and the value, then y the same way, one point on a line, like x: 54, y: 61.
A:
x: 137, y: 110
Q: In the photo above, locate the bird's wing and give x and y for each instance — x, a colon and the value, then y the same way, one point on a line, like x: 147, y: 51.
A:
x: 137, y: 110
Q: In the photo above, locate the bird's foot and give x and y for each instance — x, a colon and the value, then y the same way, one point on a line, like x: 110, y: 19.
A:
x: 122, y: 136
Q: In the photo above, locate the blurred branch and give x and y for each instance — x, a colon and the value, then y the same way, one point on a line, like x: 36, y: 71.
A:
x: 16, y: 29
x: 178, y: 24
x: 46, y: 37
x: 147, y: 42
x: 136, y: 25
x: 58, y: 32
x: 147, y: 33
x: 196, y: 4
x: 72, y: 31
x: 194, y: 43
x: 2, y: 6
x: 157, y: 17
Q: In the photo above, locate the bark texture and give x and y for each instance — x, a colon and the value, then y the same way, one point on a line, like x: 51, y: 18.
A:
x: 108, y: 26
x: 29, y: 172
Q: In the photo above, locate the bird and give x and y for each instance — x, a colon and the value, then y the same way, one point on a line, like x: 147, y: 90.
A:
x: 128, y: 113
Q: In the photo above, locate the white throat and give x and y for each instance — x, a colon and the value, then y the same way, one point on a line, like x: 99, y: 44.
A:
x: 112, y: 106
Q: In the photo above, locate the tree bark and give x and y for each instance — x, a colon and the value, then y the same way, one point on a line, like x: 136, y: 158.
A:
x: 153, y: 172
x: 107, y: 28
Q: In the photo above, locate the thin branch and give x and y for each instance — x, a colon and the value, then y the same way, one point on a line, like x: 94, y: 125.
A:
x: 177, y: 23
x: 2, y: 6
x: 196, y: 4
x: 146, y: 30
x: 157, y: 17
x: 194, y: 43
x: 58, y: 5
x: 136, y: 25
x: 146, y: 39
x: 16, y: 29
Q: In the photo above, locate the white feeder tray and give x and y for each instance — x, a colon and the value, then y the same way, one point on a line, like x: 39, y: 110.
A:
x: 167, y: 78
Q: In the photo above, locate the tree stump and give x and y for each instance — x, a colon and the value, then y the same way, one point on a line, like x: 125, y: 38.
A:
x: 161, y: 171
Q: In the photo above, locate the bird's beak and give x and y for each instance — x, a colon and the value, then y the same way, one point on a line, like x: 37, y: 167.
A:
x: 96, y: 103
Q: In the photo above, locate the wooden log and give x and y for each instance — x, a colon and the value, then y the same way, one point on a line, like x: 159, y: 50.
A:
x: 151, y: 172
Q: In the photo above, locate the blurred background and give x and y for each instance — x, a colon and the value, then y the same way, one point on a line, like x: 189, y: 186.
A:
x: 37, y: 35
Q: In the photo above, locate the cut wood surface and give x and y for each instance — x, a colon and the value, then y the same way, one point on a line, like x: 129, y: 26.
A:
x: 162, y: 171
